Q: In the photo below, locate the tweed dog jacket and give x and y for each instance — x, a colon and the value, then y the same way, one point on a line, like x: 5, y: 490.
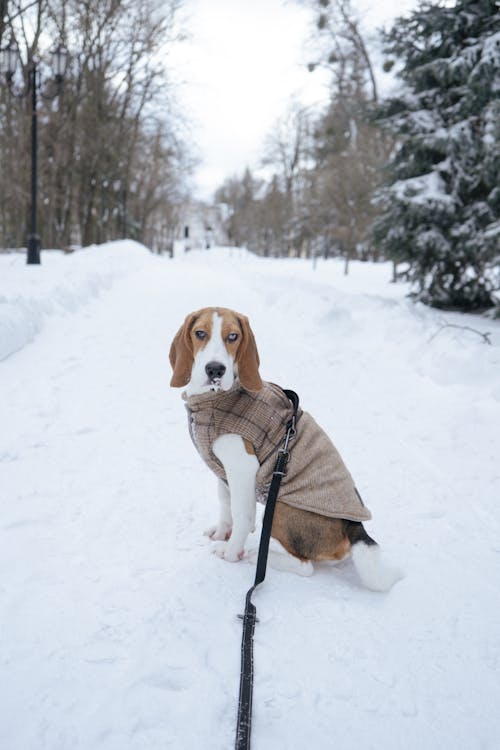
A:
x: 316, y: 479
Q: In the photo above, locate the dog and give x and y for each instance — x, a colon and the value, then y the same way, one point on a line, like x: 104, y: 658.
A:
x: 237, y: 423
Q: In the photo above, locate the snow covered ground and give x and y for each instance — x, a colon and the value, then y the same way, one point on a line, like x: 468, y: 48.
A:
x: 118, y: 626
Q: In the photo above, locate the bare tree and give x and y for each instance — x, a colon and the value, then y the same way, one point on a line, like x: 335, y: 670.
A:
x: 350, y: 154
x: 288, y: 151
x: 350, y: 151
x: 107, y: 135
x: 288, y: 145
x: 241, y: 198
x: 341, y: 47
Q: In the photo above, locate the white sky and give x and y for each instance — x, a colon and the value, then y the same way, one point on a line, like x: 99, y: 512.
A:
x: 243, y: 62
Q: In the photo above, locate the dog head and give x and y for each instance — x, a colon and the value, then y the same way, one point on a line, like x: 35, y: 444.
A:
x: 212, y: 348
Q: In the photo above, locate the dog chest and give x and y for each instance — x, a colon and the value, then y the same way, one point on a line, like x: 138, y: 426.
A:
x: 258, y: 417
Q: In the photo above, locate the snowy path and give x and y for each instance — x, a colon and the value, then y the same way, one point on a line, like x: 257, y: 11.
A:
x: 118, y: 627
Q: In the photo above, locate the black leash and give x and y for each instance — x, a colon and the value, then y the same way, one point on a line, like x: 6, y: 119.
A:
x: 244, y: 725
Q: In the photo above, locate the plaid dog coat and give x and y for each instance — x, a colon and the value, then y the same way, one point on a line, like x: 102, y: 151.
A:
x: 316, y: 480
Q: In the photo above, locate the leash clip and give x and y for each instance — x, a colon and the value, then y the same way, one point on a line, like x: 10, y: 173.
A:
x: 290, y: 433
x: 284, y: 453
x: 250, y: 616
x: 283, y: 458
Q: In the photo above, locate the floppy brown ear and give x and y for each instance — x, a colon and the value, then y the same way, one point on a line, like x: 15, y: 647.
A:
x: 181, y: 354
x: 247, y: 358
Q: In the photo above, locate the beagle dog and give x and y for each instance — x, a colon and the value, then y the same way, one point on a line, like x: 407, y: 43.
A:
x: 214, y: 356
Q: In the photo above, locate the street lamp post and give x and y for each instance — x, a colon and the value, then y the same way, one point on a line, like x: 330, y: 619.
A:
x: 8, y: 64
x: 34, y: 244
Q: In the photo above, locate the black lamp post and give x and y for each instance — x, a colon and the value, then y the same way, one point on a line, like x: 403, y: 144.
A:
x: 8, y: 64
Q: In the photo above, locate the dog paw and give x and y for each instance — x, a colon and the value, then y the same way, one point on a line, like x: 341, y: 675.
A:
x: 226, y: 552
x: 220, y: 532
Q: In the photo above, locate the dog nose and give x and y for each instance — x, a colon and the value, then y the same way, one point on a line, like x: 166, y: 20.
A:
x: 215, y: 370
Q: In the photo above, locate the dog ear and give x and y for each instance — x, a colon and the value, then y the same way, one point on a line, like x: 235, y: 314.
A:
x: 247, y: 358
x: 181, y: 354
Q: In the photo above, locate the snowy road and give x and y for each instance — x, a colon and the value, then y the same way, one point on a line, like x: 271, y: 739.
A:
x: 118, y: 627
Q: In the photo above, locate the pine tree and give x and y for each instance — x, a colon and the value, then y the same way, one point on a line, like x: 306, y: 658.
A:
x: 442, y: 208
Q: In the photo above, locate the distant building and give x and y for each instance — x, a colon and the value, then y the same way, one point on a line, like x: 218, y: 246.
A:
x: 199, y: 227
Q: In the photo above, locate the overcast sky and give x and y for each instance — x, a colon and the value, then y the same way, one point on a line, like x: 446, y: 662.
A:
x: 238, y: 70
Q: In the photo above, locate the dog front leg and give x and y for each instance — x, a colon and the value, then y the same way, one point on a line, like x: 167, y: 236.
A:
x: 222, y: 530
x: 241, y: 469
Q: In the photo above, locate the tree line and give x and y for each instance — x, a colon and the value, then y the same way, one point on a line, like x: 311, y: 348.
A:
x: 414, y: 178
x: 110, y: 160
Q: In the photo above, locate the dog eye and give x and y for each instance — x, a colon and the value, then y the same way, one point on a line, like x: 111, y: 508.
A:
x: 232, y: 337
x: 200, y: 335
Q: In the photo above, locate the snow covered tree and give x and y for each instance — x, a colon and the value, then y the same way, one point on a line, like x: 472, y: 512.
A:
x: 442, y: 208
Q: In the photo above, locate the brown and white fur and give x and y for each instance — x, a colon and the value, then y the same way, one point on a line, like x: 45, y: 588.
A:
x: 213, y: 347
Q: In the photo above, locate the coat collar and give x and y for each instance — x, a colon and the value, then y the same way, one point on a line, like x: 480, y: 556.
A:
x: 201, y: 400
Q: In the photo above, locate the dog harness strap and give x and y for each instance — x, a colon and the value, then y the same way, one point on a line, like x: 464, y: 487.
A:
x: 244, y: 724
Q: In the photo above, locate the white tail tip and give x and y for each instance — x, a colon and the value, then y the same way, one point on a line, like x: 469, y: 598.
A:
x: 375, y: 573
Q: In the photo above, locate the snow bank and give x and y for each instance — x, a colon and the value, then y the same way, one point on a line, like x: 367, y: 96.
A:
x: 61, y: 284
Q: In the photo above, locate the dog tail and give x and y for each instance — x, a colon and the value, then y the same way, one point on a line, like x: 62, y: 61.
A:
x: 375, y: 572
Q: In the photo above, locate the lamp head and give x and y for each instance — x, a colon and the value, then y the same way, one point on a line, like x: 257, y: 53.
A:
x: 8, y: 60
x: 59, y: 62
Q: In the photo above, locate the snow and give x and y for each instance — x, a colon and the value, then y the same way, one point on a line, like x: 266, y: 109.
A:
x: 27, y: 297
x: 425, y: 121
x: 118, y: 626
x: 491, y: 48
x: 427, y: 188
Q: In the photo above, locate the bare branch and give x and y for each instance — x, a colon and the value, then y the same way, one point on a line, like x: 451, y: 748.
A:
x: 485, y: 336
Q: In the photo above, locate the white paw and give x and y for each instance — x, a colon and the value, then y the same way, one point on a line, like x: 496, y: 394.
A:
x: 228, y: 552
x: 222, y: 531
